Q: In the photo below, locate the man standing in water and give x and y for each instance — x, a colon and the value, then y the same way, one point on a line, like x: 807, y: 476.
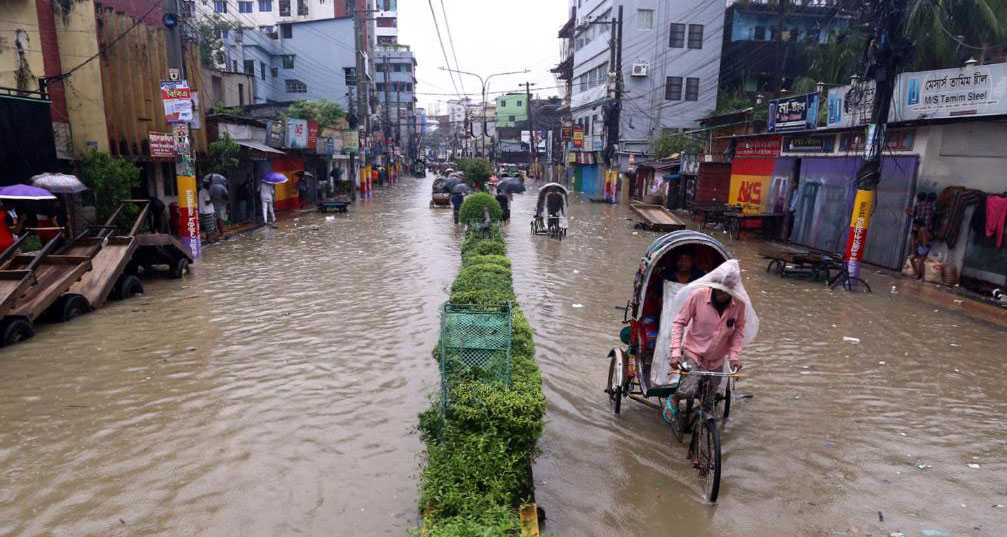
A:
x: 714, y: 313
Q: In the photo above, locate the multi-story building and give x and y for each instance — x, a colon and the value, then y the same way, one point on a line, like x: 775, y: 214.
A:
x: 511, y: 109
x: 670, y: 55
x: 764, y: 43
x: 395, y: 79
x: 386, y: 21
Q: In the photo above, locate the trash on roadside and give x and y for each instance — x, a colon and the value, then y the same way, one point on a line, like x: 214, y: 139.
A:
x: 854, y: 340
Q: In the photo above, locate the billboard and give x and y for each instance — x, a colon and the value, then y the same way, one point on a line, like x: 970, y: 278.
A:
x: 793, y: 113
x: 979, y: 90
x: 297, y: 134
x: 177, y: 100
x: 851, y: 106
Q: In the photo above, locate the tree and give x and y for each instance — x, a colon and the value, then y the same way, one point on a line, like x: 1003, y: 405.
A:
x: 211, y: 45
x: 325, y: 111
x: 832, y: 63
x: 948, y: 32
x: 111, y: 179
x: 477, y: 171
x: 670, y: 143
x: 223, y: 154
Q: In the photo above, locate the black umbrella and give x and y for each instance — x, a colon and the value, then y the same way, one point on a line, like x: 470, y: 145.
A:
x: 451, y: 182
x: 461, y: 188
x: 510, y: 186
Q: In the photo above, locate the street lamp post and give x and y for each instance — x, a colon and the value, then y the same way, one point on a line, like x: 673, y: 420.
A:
x: 483, y: 82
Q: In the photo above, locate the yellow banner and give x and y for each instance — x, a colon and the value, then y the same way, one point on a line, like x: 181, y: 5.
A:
x: 749, y: 191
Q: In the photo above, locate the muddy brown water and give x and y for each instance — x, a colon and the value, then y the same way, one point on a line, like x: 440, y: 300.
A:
x: 274, y: 392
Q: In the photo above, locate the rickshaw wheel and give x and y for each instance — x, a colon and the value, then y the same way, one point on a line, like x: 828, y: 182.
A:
x: 616, y: 379
x: 705, y: 448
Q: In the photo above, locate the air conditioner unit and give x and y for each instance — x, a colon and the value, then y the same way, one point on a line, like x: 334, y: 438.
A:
x: 640, y: 69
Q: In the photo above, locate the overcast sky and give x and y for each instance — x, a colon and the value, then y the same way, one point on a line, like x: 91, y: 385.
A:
x: 489, y: 37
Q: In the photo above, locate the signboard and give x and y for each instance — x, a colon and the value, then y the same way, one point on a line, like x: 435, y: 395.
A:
x: 275, y: 133
x: 351, y: 141
x: 566, y: 133
x: 180, y: 133
x: 765, y: 146
x: 896, y: 140
x: 979, y: 90
x: 196, y: 122
x: 793, y: 113
x: 313, y: 135
x: 750, y: 178
x: 809, y: 144
x: 578, y: 136
x: 174, y: 73
x: 297, y: 134
x: 851, y: 106
x: 188, y: 212
x: 177, y: 100
x: 162, y: 144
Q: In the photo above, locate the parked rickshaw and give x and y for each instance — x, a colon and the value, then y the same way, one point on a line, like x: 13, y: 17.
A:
x: 551, y: 211
x: 640, y: 370
x: 440, y: 198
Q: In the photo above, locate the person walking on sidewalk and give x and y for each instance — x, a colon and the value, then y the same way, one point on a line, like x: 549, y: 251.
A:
x: 207, y: 215
x: 266, y: 192
x: 220, y: 196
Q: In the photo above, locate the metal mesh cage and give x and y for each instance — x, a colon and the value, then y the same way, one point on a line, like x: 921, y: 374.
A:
x: 475, y: 344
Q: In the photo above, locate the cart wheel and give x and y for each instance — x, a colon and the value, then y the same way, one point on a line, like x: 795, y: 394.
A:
x: 128, y: 286
x: 432, y: 204
x: 69, y: 307
x: 775, y: 266
x: 616, y: 379
x: 532, y: 227
x: 180, y: 268
x: 16, y: 331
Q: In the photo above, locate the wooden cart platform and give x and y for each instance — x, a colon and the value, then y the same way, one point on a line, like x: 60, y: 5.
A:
x: 337, y: 206
x: 657, y: 217
x: 54, y: 275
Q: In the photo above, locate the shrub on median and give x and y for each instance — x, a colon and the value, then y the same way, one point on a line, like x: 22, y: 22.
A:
x: 472, y: 208
x: 476, y: 471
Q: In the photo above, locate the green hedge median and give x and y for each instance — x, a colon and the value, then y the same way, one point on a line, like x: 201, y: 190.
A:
x: 476, y: 473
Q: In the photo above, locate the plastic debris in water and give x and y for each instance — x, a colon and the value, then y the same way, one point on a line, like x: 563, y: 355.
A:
x: 956, y: 344
x: 881, y: 363
x: 935, y: 533
x: 578, y: 305
x: 974, y: 466
x: 895, y: 290
x: 922, y: 466
x: 575, y: 271
x: 854, y: 340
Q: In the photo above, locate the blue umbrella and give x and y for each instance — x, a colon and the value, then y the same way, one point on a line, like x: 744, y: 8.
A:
x: 25, y: 192
x: 274, y: 178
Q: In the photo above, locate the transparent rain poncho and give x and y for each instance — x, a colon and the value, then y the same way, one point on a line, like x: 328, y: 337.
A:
x: 727, y: 278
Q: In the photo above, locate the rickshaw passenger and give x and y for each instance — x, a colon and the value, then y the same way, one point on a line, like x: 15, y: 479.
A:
x: 682, y: 273
x: 554, y: 207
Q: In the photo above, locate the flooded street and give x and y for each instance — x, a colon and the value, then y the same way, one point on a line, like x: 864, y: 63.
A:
x: 272, y: 393
x: 275, y: 392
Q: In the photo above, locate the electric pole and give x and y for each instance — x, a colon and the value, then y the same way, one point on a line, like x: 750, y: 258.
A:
x: 388, y: 99
x: 613, y: 108
x: 531, y: 127
x: 883, y: 53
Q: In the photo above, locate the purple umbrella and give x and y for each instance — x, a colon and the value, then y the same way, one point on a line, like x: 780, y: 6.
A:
x: 274, y: 178
x: 25, y: 192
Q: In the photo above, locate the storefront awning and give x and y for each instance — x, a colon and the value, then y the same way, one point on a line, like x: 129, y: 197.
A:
x: 259, y: 146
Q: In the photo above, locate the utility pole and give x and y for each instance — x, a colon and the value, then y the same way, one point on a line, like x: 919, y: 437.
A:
x: 398, y: 116
x: 614, y: 107
x: 363, y: 115
x: 781, y: 6
x: 531, y: 127
x: 883, y: 54
x: 388, y: 98
x: 185, y: 170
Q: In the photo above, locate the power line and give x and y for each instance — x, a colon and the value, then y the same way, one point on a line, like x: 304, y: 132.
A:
x: 440, y: 40
x: 451, y: 41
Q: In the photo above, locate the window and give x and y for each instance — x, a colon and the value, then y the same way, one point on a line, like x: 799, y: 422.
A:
x: 287, y: 31
x: 760, y: 33
x: 238, y: 34
x: 274, y: 72
x: 386, y: 39
x: 241, y: 94
x: 244, y: 7
x: 288, y: 61
x: 224, y: 33
x: 677, y: 36
x: 386, y: 22
x: 691, y: 89
x: 265, y: 6
x: 795, y: 34
x: 397, y: 67
x: 695, y: 36
x: 645, y: 19
x: 234, y: 66
x: 510, y: 118
x: 293, y: 85
x: 350, y: 6
x: 219, y: 6
x: 284, y: 8
x: 262, y: 70
x: 250, y: 67
x: 302, y: 7
x: 673, y: 88
x: 503, y: 104
x: 519, y: 103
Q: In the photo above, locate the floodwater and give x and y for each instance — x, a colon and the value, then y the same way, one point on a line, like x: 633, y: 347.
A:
x: 272, y: 392
x: 275, y: 392
x: 833, y: 430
